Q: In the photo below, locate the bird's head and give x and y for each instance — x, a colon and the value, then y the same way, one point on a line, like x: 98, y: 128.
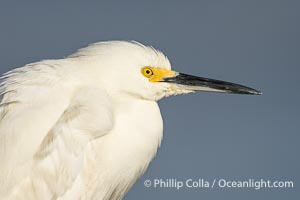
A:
x: 144, y: 72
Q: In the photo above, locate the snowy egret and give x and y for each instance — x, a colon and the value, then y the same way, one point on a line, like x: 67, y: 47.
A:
x: 87, y: 126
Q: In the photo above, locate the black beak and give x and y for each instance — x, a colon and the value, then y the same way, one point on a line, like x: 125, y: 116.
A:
x: 195, y: 83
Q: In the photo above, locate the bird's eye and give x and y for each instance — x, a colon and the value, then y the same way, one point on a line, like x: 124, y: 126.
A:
x: 147, y: 71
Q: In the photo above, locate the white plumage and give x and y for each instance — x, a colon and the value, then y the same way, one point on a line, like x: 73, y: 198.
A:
x: 84, y: 127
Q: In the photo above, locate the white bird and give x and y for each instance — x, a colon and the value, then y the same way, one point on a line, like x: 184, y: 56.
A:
x: 87, y: 126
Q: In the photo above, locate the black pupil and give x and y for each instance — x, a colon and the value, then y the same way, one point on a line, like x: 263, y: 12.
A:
x: 148, y: 71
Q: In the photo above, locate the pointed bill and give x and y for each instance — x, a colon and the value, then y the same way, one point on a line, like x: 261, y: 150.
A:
x: 196, y: 83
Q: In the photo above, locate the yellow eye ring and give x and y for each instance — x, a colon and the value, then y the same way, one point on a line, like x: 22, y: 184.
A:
x: 147, y: 72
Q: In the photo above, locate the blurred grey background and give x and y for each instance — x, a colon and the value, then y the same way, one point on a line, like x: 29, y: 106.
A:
x: 206, y: 135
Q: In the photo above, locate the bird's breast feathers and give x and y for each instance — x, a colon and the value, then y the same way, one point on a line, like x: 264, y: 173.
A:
x: 56, y: 137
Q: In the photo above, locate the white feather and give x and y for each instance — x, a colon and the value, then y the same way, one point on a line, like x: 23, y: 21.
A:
x: 84, y: 127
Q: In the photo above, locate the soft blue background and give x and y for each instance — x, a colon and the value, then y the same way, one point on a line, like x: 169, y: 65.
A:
x: 207, y: 135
